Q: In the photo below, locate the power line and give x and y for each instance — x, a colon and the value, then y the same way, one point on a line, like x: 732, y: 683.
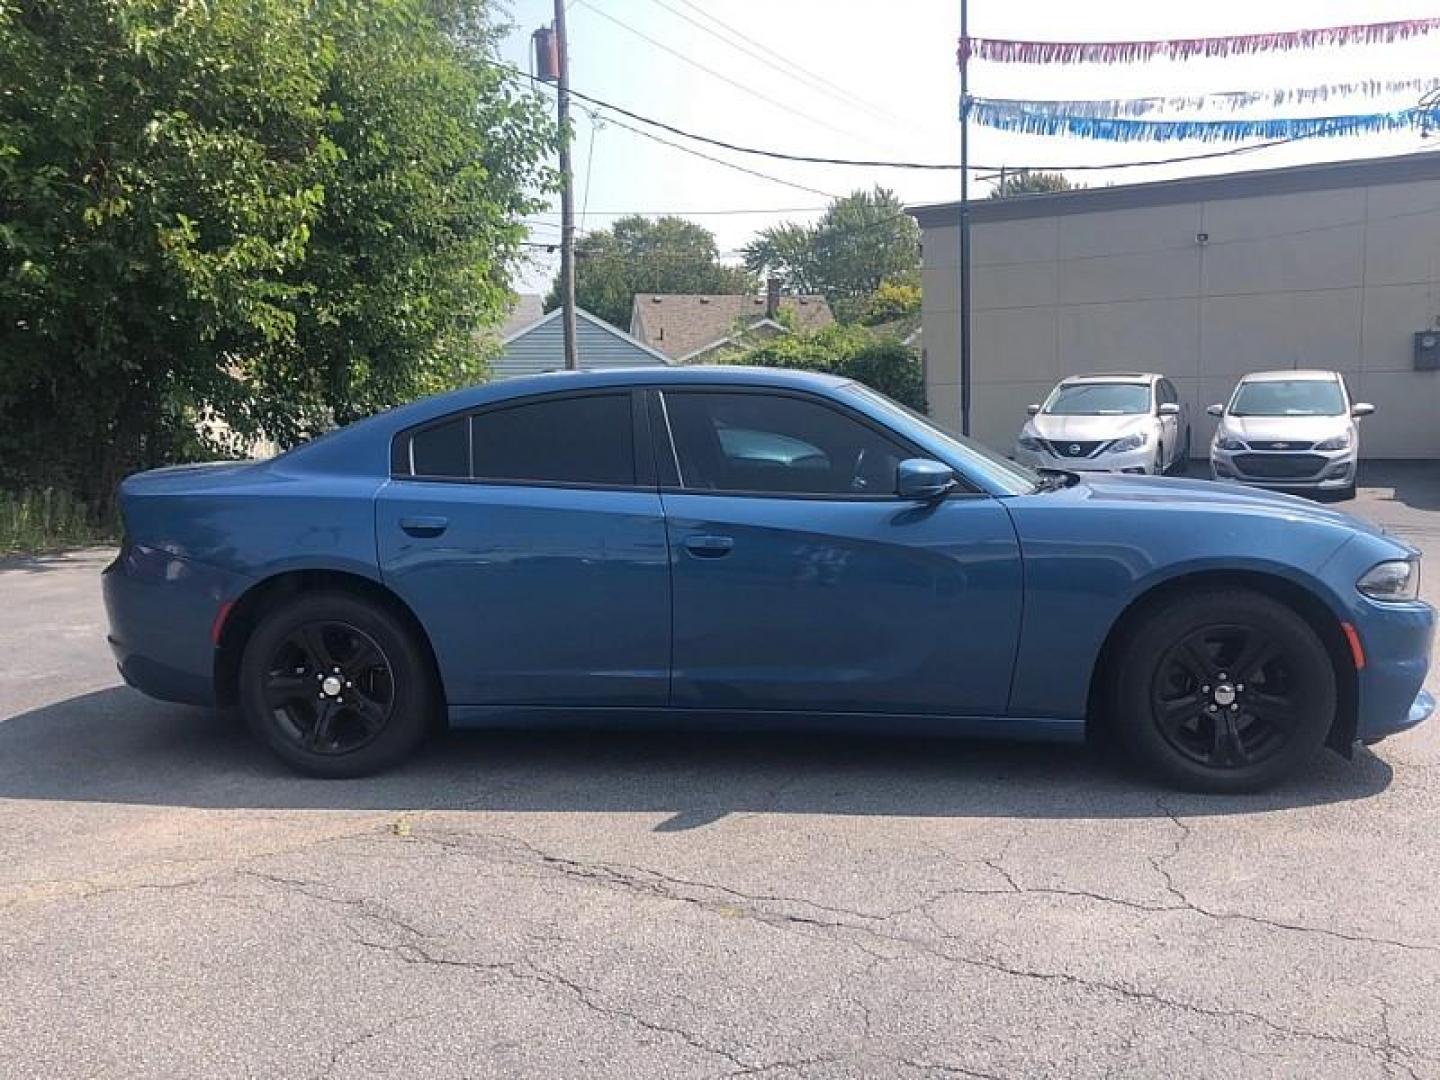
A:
x: 718, y: 161
x: 789, y: 68
x: 715, y: 74
x: 701, y: 213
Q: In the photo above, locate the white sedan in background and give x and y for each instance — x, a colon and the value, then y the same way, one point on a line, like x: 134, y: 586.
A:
x: 1289, y: 429
x: 1130, y: 422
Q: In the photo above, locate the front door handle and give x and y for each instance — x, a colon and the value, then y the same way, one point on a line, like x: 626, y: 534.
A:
x: 424, y: 526
x: 709, y: 547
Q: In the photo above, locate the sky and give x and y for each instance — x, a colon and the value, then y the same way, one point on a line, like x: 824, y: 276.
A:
x: 879, y: 80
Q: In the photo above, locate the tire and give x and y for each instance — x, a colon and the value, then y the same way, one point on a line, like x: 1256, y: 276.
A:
x: 1158, y: 469
x: 1278, y: 676
x: 376, y: 706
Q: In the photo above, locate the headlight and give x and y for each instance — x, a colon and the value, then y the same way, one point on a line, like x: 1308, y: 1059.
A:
x: 1339, y: 442
x: 1129, y: 442
x: 1398, y: 579
x: 1027, y: 443
x: 1226, y: 442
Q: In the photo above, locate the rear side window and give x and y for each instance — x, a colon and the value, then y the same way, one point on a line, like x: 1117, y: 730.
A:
x: 579, y: 440
x: 443, y: 450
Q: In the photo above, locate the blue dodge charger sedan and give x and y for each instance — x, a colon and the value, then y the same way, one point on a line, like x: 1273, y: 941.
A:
x: 765, y: 548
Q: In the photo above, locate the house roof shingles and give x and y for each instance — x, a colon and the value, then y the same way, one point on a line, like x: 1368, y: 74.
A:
x: 679, y: 324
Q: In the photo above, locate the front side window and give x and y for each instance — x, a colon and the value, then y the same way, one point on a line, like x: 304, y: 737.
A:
x: 777, y: 444
x: 578, y: 440
x: 1168, y: 394
x: 1289, y: 397
x: 1099, y: 399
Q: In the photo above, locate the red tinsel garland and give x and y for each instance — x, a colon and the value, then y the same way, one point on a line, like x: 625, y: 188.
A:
x: 1110, y: 52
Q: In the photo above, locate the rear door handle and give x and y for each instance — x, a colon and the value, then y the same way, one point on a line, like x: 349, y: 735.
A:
x: 709, y: 547
x: 424, y: 526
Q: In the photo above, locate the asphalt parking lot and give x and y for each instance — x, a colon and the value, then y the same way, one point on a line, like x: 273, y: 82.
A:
x: 173, y: 903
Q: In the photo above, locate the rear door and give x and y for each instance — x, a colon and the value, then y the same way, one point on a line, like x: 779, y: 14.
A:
x: 530, y: 541
x: 801, y: 582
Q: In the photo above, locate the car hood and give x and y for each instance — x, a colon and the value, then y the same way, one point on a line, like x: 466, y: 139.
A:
x: 1086, y: 428
x: 1212, y: 495
x: 1286, y: 428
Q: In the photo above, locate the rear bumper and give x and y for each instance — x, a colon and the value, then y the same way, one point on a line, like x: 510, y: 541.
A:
x: 161, y: 610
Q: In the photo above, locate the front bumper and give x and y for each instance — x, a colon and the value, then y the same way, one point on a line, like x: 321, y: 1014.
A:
x: 1397, y: 641
x: 1131, y: 461
x: 1309, y: 470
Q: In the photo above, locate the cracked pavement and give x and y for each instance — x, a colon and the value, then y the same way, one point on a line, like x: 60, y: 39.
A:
x: 173, y: 903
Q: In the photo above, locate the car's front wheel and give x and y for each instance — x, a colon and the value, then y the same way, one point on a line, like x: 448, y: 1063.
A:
x: 1225, y: 690
x: 335, y: 685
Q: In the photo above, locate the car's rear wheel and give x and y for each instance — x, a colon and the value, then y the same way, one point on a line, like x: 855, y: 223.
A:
x: 335, y: 685
x: 1223, y: 691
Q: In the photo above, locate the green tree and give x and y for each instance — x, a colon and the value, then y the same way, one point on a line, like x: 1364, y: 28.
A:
x: 861, y: 241
x: 851, y: 352
x: 640, y: 254
x: 265, y: 214
x: 1029, y: 182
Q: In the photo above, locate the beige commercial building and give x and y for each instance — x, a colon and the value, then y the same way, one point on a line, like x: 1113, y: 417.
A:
x: 1324, y: 266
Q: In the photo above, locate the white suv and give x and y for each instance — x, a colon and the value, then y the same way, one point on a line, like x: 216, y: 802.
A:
x: 1131, y: 422
x: 1289, y: 429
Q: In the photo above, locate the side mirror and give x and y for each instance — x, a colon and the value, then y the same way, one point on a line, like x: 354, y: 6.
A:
x: 1361, y: 408
x: 1031, y: 410
x: 921, y: 478
x: 1169, y: 408
x: 1215, y: 410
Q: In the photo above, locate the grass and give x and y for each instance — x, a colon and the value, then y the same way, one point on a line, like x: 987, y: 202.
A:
x: 47, y: 519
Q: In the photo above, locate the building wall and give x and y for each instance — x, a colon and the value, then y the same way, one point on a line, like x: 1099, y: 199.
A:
x: 542, y: 348
x: 1340, y: 279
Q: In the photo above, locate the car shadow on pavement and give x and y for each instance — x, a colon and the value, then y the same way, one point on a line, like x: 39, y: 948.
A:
x: 1415, y: 484
x: 116, y: 746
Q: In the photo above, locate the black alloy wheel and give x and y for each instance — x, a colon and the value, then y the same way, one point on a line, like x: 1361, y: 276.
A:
x: 337, y: 685
x: 330, y: 687
x: 1222, y: 690
x: 1225, y: 697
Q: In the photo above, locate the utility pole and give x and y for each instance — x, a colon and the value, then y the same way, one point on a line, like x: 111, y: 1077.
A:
x: 567, y: 191
x: 964, y: 316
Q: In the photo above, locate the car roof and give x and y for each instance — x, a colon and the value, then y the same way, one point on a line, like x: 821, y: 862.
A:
x: 1112, y: 376
x: 1315, y: 375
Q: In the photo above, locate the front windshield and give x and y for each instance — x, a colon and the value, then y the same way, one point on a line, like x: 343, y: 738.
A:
x: 1289, y: 397
x: 1099, y: 399
x: 1009, y: 476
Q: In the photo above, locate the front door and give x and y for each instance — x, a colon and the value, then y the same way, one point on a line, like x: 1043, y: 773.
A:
x: 800, y: 582
x: 534, y: 553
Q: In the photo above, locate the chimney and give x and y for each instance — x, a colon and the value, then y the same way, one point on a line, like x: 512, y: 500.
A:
x: 772, y: 297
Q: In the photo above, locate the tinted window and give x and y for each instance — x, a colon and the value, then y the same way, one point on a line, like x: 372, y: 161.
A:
x: 579, y: 440
x: 776, y: 444
x: 1289, y: 397
x: 1099, y: 399
x: 1167, y: 392
x: 441, y: 451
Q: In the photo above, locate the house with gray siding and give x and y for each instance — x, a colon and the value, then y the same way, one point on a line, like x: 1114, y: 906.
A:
x: 540, y: 347
x: 1204, y: 279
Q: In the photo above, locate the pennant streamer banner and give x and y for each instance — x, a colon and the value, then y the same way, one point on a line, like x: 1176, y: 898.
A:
x: 1116, y: 52
x: 1232, y: 99
x: 1022, y: 118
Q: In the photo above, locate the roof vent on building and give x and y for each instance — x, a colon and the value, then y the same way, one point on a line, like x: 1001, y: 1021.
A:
x: 654, y: 299
x: 704, y: 299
